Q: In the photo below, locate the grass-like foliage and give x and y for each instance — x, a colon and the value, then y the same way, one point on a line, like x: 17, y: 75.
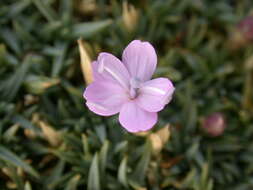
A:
x: 49, y: 140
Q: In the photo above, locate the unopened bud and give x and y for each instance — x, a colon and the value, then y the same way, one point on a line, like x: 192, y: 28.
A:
x: 214, y: 124
x: 243, y: 33
x: 246, y: 27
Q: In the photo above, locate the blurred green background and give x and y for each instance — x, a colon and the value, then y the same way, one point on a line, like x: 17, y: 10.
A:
x: 50, y: 141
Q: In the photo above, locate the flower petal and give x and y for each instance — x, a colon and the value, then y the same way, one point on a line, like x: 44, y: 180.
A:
x: 140, y: 59
x: 105, y: 97
x: 134, y: 119
x: 155, y: 94
x: 99, y: 109
x: 109, y: 67
x: 96, y: 75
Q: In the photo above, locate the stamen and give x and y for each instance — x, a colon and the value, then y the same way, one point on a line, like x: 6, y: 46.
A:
x: 132, y: 93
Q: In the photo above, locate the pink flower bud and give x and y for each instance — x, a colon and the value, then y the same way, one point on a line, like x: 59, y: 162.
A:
x: 243, y: 33
x: 246, y: 27
x: 214, y: 124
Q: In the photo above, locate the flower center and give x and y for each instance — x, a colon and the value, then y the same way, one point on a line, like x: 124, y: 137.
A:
x: 134, y: 86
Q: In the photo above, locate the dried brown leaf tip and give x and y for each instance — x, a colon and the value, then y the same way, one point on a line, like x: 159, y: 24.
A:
x: 30, y: 99
x: 87, y: 7
x: 169, y: 162
x: 164, y: 133
x: 142, y: 134
x: 130, y: 16
x: 156, y: 143
x: 52, y: 136
x: 38, y: 84
x: 159, y: 138
x: 85, y: 62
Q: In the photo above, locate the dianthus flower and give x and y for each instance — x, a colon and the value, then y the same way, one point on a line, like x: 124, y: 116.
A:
x: 126, y: 87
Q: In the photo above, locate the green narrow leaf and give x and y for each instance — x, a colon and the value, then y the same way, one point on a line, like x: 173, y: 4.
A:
x: 15, y: 177
x: 121, y: 146
x: 122, y: 172
x: 13, y: 159
x: 135, y: 185
x: 190, y: 177
x: 39, y: 84
x: 189, y: 109
x: 204, y: 174
x: 59, y: 60
x: 23, y: 33
x: 86, y: 149
x: 24, y: 123
x: 101, y: 133
x: 210, y: 185
x: 56, y: 173
x: 141, y: 169
x: 103, y: 155
x: 63, y: 110
x: 15, y: 81
x: 66, y: 9
x: 192, y: 150
x: 45, y: 10
x: 89, y: 28
x: 11, y: 40
x: 17, y: 8
x: 73, y: 183
x: 10, y: 133
x: 94, y: 178
x: 59, y: 181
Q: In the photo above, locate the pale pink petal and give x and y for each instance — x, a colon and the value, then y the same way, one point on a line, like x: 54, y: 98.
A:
x: 100, y: 109
x: 134, y: 119
x: 110, y: 68
x: 140, y: 59
x: 96, y: 75
x: 155, y: 94
x: 105, y: 97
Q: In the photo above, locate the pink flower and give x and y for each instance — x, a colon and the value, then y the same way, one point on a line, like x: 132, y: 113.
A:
x: 125, y: 87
